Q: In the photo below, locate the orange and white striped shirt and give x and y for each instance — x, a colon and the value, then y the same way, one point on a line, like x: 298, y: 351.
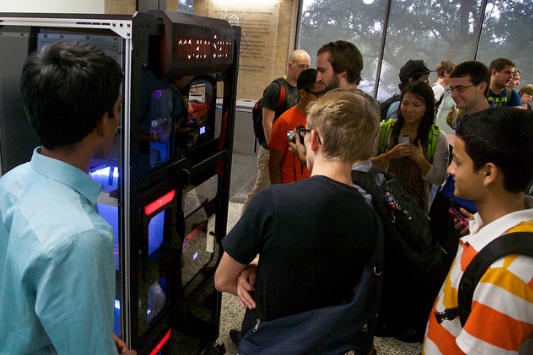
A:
x: 501, y: 321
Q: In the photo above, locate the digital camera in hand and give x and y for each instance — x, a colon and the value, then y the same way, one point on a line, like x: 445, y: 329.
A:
x: 291, y: 135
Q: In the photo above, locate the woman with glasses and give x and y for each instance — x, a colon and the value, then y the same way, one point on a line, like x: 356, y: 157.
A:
x: 412, y: 147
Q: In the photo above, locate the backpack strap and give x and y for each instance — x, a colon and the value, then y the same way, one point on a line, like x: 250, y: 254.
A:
x: 385, y: 131
x: 508, y: 94
x: 282, y: 93
x: 439, y: 101
x: 513, y: 243
x: 432, y: 142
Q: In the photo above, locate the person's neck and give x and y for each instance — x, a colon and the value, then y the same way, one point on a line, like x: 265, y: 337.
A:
x: 334, y: 169
x: 495, y: 89
x: 301, y: 106
x: 443, y: 82
x: 481, y: 105
x: 343, y: 84
x: 72, y: 154
x: 497, y: 205
x: 292, y: 81
x: 410, y: 128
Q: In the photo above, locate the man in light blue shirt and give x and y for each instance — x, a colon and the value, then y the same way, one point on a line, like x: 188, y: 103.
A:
x: 57, y: 273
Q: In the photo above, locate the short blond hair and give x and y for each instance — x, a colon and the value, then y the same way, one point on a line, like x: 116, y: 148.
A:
x: 347, y: 123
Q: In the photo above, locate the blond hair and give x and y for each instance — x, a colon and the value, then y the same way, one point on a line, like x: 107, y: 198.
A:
x: 347, y: 124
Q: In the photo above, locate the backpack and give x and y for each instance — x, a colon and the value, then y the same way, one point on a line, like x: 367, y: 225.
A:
x: 384, y: 107
x: 341, y: 329
x: 385, y: 132
x: 512, y: 243
x: 257, y: 112
x: 414, y: 262
x: 437, y: 104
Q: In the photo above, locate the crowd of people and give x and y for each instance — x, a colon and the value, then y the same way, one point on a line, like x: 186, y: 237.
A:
x: 304, y: 240
x: 276, y: 274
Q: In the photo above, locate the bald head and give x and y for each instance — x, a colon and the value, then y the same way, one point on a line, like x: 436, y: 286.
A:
x: 299, y: 60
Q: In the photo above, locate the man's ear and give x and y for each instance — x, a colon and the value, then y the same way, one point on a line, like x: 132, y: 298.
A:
x: 105, y: 125
x: 492, y: 174
x: 315, y: 140
x: 302, y: 94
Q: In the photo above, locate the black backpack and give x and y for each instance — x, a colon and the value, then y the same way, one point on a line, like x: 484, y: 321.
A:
x: 342, y: 329
x: 257, y: 112
x: 414, y: 262
x: 512, y: 243
x: 384, y: 106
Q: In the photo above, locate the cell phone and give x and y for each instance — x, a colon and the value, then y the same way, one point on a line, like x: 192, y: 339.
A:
x: 458, y: 216
x: 404, y: 138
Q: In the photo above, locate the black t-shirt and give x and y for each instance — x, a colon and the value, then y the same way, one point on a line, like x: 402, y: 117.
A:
x: 315, y: 236
x: 271, y: 97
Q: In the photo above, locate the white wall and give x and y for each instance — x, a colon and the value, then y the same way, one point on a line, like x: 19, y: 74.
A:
x: 53, y: 6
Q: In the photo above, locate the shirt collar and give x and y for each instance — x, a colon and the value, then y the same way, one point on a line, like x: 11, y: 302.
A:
x: 480, y: 237
x: 66, y: 174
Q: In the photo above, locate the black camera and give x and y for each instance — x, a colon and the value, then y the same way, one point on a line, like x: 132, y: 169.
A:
x: 291, y: 136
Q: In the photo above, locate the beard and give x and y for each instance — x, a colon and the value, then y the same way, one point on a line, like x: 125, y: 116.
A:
x: 334, y: 84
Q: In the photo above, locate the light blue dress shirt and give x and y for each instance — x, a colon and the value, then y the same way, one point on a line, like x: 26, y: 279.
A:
x: 57, y: 274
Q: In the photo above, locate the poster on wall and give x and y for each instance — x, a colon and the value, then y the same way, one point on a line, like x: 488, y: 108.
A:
x: 259, y: 23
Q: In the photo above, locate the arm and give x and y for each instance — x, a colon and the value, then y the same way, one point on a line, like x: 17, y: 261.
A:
x: 515, y: 101
x: 396, y: 152
x: 268, y: 119
x: 274, y: 166
x: 227, y: 273
x: 76, y: 294
x: 299, y: 150
x: 501, y: 311
x: 246, y: 284
x: 436, y: 174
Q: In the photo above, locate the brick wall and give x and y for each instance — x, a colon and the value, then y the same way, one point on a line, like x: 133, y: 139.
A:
x: 284, y: 39
x: 284, y: 45
x: 120, y: 6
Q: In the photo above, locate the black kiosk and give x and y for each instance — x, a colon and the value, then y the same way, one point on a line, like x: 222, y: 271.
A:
x: 166, y: 187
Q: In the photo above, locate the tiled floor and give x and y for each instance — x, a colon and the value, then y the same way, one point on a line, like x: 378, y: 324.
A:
x: 243, y: 177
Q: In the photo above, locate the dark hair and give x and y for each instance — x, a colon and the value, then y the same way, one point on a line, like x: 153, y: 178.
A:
x: 499, y: 64
x: 423, y: 91
x: 503, y: 136
x: 477, y: 71
x: 66, y: 88
x: 345, y: 56
x: 307, y: 79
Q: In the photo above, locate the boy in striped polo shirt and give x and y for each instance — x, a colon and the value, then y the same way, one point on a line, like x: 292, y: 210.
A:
x: 491, y: 166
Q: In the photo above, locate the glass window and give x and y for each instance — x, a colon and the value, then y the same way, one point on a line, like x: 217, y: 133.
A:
x: 431, y: 30
x: 507, y: 34
x: 324, y: 21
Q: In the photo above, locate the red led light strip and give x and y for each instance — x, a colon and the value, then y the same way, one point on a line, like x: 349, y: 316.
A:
x: 160, y: 202
x: 161, y: 343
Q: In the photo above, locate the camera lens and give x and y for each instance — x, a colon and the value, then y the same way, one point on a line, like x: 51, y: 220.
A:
x: 291, y: 137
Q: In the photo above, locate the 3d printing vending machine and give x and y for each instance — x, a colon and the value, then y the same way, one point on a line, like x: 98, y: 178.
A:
x: 166, y: 185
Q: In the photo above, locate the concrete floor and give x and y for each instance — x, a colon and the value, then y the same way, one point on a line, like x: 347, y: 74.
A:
x: 243, y: 172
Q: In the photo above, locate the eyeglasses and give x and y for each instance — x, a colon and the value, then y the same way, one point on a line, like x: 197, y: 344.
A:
x: 459, y: 89
x: 319, y: 93
x: 302, y: 131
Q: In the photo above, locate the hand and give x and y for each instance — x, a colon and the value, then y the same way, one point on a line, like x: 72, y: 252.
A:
x: 417, y: 153
x: 399, y: 151
x: 298, y: 149
x: 245, y: 285
x: 122, y: 348
x: 458, y: 225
